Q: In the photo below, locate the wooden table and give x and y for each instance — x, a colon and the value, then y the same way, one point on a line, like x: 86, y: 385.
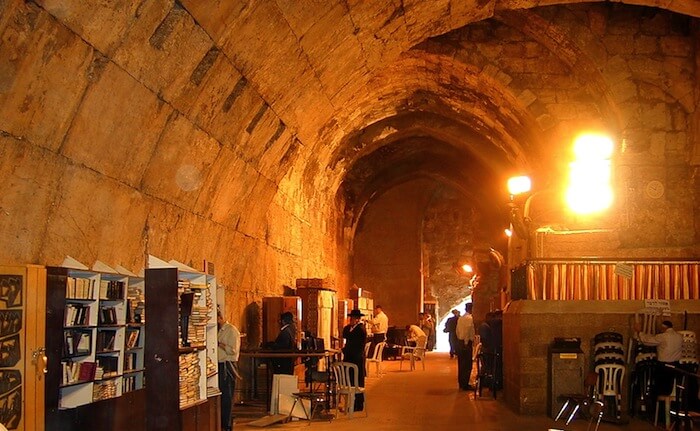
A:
x: 257, y: 355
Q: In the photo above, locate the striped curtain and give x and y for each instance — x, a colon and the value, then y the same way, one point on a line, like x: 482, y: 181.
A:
x: 576, y: 280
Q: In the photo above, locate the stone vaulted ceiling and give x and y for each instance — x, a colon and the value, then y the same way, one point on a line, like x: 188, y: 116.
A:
x: 263, y: 126
x: 350, y: 77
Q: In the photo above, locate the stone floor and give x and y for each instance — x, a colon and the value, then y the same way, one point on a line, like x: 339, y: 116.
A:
x: 430, y: 400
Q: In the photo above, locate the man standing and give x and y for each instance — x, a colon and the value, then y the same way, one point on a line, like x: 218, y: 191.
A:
x: 229, y: 346
x: 669, y: 350
x: 426, y: 324
x: 355, y: 336
x: 451, y: 331
x: 286, y: 341
x: 465, y: 335
x: 380, y: 325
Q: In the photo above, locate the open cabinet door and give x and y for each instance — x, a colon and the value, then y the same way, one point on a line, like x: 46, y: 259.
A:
x: 22, y: 360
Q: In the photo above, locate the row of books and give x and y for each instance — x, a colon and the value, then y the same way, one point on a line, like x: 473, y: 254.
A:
x: 131, y: 362
x: 77, y: 315
x: 80, y: 288
x: 111, y: 290
x: 75, y: 372
x: 107, y: 316
x: 76, y: 343
x: 129, y: 384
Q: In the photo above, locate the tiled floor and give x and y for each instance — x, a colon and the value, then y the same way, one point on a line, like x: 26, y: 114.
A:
x: 429, y: 400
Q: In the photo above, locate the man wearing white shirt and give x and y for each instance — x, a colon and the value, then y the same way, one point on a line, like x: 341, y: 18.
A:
x: 465, y: 335
x: 380, y: 325
x: 669, y: 349
x: 229, y: 346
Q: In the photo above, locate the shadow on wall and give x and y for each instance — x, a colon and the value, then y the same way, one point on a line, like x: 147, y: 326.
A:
x: 252, y: 316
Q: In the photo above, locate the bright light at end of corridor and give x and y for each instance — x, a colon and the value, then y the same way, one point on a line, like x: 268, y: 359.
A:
x: 590, y: 188
x: 467, y: 268
x: 519, y: 185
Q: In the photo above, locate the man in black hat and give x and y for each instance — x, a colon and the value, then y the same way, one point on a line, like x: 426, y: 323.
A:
x: 286, y: 341
x: 355, y: 336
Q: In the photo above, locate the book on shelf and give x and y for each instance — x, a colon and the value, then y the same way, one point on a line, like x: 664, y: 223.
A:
x: 133, y: 339
x: 111, y: 290
x: 87, y: 371
x: 105, y: 340
x: 77, y: 372
x: 77, y: 315
x: 84, y: 343
x: 79, y: 288
x: 107, y: 316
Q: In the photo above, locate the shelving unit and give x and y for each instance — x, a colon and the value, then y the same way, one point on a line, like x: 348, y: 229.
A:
x: 181, y: 305
x: 86, y: 330
x: 133, y: 376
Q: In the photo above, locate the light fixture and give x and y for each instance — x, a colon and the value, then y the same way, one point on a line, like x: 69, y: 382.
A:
x: 518, y: 185
x: 467, y: 268
x: 589, y: 188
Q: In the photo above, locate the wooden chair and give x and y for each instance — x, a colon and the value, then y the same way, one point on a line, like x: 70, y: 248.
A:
x: 376, y: 359
x: 347, y: 385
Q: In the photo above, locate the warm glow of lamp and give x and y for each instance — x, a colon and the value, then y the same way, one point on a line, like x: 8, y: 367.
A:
x: 519, y: 185
x: 467, y: 268
x: 590, y: 188
x: 508, y: 232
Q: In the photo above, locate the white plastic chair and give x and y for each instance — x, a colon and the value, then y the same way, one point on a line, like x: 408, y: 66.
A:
x: 610, y: 378
x: 347, y: 385
x: 667, y: 400
x: 376, y: 358
x: 414, y: 354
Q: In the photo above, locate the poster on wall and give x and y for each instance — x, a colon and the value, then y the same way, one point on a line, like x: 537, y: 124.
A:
x: 11, y: 365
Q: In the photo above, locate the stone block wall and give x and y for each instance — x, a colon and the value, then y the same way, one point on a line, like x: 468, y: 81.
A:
x: 529, y: 327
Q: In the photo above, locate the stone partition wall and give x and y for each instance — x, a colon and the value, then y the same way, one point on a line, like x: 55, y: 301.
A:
x: 530, y: 326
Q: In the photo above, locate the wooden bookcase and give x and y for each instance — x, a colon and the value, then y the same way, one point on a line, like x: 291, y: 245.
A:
x: 87, y: 336
x: 182, y: 390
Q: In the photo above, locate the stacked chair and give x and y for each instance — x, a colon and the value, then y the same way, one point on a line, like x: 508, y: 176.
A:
x: 609, y: 365
x: 644, y: 372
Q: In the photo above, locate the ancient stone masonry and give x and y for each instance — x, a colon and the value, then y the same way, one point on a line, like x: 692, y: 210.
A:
x: 258, y: 135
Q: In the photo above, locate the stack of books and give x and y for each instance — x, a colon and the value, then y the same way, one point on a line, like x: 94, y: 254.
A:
x: 104, y: 390
x: 189, y: 379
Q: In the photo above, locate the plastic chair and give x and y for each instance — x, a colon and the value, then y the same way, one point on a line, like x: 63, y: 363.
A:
x: 414, y: 354
x: 376, y: 358
x: 667, y: 400
x: 347, y: 385
x: 610, y: 378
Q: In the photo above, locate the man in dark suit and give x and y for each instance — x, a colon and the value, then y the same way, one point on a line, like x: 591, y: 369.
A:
x: 355, y: 337
x: 285, y: 341
x: 451, y: 330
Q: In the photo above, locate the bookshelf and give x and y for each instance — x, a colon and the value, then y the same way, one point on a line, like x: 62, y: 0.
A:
x: 181, y: 334
x: 133, y: 375
x: 86, y: 330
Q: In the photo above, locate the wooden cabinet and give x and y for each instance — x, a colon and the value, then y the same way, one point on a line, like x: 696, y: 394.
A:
x: 22, y: 308
x: 319, y: 313
x: 273, y: 307
x: 182, y: 391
